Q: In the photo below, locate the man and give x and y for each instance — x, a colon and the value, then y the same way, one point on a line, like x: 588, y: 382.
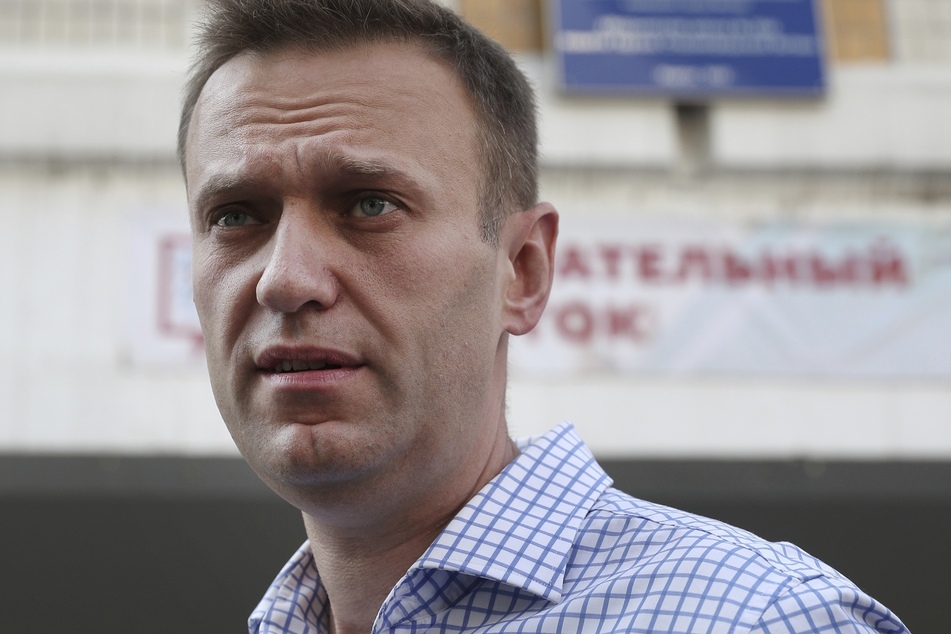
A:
x: 362, y: 189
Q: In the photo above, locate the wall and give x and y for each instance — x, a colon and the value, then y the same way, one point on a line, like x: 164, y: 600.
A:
x: 87, y: 160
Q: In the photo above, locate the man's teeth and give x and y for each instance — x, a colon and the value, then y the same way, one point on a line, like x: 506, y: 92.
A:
x: 299, y: 366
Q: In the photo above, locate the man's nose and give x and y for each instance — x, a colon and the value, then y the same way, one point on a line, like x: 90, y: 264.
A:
x: 299, y: 270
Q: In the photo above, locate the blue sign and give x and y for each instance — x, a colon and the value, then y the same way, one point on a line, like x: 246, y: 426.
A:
x: 689, y: 48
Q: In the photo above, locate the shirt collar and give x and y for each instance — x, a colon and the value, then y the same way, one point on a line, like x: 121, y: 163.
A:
x: 519, y: 529
x: 296, y: 599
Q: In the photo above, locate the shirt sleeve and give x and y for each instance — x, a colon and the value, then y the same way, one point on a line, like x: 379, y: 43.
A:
x: 823, y: 606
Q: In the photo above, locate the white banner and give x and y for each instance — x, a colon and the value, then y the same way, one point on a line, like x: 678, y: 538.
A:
x: 668, y: 296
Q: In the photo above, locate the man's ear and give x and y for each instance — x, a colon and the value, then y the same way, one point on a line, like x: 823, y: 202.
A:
x: 529, y: 240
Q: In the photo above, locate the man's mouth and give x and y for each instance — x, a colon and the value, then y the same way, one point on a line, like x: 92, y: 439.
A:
x: 280, y: 359
x: 303, y: 366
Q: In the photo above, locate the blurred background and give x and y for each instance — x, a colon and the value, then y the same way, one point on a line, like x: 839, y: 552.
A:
x: 752, y: 318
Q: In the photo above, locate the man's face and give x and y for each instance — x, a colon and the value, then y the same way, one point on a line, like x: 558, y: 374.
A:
x: 351, y: 311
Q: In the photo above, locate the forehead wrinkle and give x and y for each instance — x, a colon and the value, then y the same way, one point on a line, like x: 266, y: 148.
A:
x: 300, y: 131
x: 267, y: 109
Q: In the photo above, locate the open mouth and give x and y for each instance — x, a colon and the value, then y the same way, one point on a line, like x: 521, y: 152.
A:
x: 303, y: 366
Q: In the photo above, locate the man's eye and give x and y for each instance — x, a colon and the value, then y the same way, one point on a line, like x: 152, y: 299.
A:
x: 236, y: 219
x: 372, y: 206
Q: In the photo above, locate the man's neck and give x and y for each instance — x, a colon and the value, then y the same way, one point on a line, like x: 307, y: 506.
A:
x: 358, y: 574
x: 360, y: 566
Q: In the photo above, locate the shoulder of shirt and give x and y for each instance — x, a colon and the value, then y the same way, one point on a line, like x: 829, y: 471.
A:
x: 785, y: 578
x: 636, y: 531
x: 782, y: 557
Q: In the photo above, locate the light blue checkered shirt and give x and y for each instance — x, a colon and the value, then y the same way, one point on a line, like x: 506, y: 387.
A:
x: 548, y: 546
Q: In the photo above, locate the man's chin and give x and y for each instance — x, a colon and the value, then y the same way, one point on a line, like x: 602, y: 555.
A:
x: 304, y: 458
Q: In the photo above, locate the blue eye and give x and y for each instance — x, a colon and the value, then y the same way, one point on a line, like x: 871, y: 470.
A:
x: 372, y: 206
x: 236, y: 219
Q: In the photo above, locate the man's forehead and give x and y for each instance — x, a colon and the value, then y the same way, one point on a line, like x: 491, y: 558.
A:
x: 299, y: 79
x: 293, y: 114
x: 311, y: 64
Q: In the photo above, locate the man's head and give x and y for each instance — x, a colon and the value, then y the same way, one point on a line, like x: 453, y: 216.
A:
x: 355, y: 316
x: 501, y: 98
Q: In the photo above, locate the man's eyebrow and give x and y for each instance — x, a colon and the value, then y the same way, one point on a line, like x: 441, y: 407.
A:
x: 358, y: 167
x: 217, y: 184
x: 355, y: 167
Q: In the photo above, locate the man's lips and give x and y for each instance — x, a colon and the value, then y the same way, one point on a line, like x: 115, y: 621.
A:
x: 289, y: 359
x: 300, y: 366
